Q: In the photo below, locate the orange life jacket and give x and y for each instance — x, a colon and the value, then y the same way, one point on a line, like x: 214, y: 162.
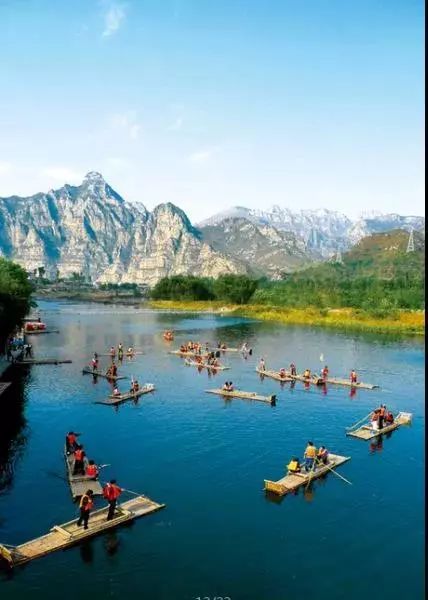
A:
x: 382, y: 412
x: 78, y: 454
x: 71, y: 439
x: 112, y: 492
x: 92, y: 470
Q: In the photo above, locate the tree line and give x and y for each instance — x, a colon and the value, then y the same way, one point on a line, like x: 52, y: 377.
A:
x: 15, y: 296
x: 237, y: 289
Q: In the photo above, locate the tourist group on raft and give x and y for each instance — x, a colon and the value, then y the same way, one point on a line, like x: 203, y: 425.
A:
x: 307, y: 374
x: 88, y: 469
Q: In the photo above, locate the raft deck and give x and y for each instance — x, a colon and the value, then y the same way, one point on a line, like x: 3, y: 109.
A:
x: 79, y: 484
x: 293, y: 481
x: 273, y: 375
x: 114, y: 400
x: 192, y: 363
x: 187, y: 353
x: 244, y: 395
x: 88, y: 371
x: 346, y: 382
x: 63, y: 536
x: 365, y: 432
x: 43, y: 361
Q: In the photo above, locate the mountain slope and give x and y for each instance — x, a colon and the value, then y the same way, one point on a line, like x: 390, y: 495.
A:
x: 321, y: 231
x: 90, y: 229
x: 264, y: 249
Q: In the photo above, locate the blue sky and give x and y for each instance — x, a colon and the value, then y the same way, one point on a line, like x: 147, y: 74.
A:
x: 215, y: 103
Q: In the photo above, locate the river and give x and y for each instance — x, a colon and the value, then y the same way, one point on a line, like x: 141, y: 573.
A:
x: 206, y: 459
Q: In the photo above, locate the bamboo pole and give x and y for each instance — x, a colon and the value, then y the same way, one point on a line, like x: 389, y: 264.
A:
x: 358, y: 422
x: 338, y: 475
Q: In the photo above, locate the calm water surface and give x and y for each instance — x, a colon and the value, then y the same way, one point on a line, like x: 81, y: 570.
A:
x: 206, y: 458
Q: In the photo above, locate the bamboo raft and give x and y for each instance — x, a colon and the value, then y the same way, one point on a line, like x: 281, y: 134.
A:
x: 63, y: 536
x: 291, y: 482
x: 314, y: 379
x: 42, y: 361
x: 80, y: 483
x: 244, y: 395
x: 29, y: 332
x: 365, y: 432
x: 191, y: 363
x: 346, y: 382
x: 273, y: 375
x: 114, y: 400
x: 3, y: 386
x: 187, y: 353
x: 226, y: 349
x: 88, y: 371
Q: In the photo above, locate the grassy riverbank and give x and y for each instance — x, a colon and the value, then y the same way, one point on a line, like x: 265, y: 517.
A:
x: 400, y: 321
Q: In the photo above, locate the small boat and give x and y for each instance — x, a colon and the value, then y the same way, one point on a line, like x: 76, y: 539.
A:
x: 80, y: 483
x: 34, y: 327
x: 273, y: 375
x: 192, y: 363
x: 43, y: 361
x: 89, y: 371
x: 291, y: 482
x: 63, y: 536
x: 366, y: 432
x: 113, y: 400
x: 245, y: 395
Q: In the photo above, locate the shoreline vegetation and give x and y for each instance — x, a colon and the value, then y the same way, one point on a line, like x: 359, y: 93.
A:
x: 397, y: 321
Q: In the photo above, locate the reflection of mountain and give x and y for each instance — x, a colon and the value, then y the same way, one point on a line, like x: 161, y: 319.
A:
x: 13, y: 435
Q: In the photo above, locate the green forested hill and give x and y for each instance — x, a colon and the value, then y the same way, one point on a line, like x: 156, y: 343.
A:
x: 377, y: 273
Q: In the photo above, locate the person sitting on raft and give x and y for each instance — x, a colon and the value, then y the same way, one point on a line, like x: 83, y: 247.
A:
x: 309, y: 456
x: 307, y: 374
x: 71, y: 442
x: 262, y: 365
x: 92, y: 470
x: 282, y: 373
x: 225, y: 387
x: 198, y: 359
x: 116, y: 391
x: 293, y: 371
x: 324, y: 373
x: 322, y: 455
x: 231, y: 388
x: 294, y: 466
x: 389, y: 418
x: 353, y: 376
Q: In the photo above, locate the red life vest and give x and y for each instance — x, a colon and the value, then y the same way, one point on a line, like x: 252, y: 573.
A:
x: 111, y: 491
x: 71, y: 439
x: 91, y: 470
x: 86, y: 503
x: 78, y: 454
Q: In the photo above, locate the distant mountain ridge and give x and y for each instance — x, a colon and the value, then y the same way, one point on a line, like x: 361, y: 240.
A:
x: 322, y: 232
x: 90, y: 229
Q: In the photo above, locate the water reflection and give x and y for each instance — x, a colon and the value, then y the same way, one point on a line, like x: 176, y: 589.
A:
x: 13, y: 435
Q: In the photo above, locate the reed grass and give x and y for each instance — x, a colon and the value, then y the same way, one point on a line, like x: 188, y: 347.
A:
x: 397, y: 321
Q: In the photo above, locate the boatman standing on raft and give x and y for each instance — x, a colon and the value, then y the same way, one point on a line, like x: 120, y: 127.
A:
x: 111, y: 493
x: 86, y: 505
x: 310, y: 456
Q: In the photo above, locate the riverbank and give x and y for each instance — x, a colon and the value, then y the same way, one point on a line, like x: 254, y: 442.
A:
x: 103, y: 297
x: 404, y: 321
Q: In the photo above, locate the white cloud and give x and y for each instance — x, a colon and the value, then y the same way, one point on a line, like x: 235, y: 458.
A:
x: 62, y: 174
x: 127, y: 123
x: 5, y: 167
x: 113, y: 17
x: 202, y: 156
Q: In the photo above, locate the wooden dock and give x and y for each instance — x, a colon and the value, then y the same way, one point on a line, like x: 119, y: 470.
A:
x: 114, y: 400
x: 192, y: 363
x: 273, y: 375
x: 365, y: 432
x: 88, y: 371
x: 245, y: 395
x: 291, y: 482
x: 68, y: 534
x: 3, y: 386
x: 42, y: 361
x: 80, y: 483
